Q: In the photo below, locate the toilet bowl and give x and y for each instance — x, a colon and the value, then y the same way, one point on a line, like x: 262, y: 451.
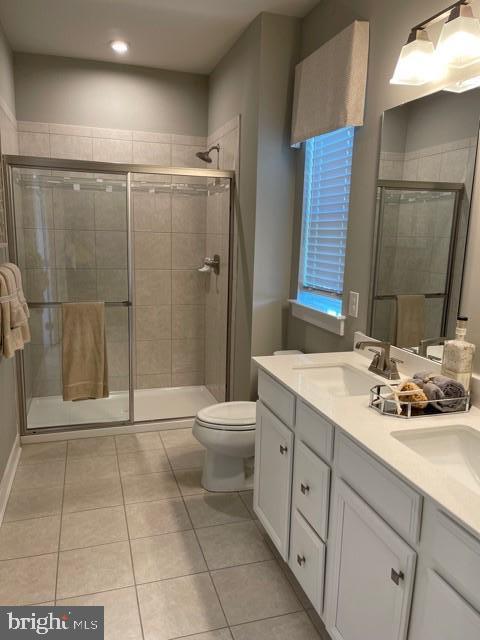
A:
x: 227, y: 431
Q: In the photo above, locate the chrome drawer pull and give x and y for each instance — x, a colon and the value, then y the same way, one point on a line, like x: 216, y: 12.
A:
x: 304, y: 488
x: 283, y: 449
x: 301, y: 560
x: 396, y: 576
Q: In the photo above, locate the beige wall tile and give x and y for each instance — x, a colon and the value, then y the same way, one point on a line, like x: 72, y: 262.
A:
x: 117, y: 353
x: 41, y: 285
x: 70, y: 130
x: 116, y: 324
x: 152, y: 153
x: 111, y: 210
x: 188, y: 287
x: 154, y: 381
x: 188, y: 379
x: 153, y: 286
x: 111, y: 134
x: 73, y: 209
x: 34, y: 144
x: 108, y: 150
x: 188, y: 250
x: 188, y: 321
x: 189, y: 213
x: 154, y: 356
x: 39, y: 248
x: 75, y: 249
x: 76, y: 285
x: 188, y: 355
x: 33, y: 127
x: 153, y: 250
x: 152, y: 136
x: 152, y: 211
x: 37, y: 208
x: 152, y: 323
x: 112, y: 285
x: 111, y: 249
x: 184, y: 156
x: 74, y: 147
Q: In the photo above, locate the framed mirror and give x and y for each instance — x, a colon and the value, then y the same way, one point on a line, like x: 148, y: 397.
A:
x: 424, y: 190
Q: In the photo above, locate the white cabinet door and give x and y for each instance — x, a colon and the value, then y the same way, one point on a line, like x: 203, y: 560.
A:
x: 370, y: 573
x: 273, y: 477
x: 445, y: 615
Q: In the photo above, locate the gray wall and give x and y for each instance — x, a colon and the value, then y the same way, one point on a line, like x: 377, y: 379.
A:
x: 233, y: 90
x: 8, y: 405
x: 99, y: 94
x: 255, y: 79
x: 390, y: 23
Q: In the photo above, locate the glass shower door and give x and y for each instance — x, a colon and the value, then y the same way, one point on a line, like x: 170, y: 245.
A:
x: 72, y: 245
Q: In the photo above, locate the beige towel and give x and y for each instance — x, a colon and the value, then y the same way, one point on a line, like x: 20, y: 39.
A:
x: 18, y: 281
x: 84, y: 347
x: 410, y: 321
x: 11, y: 338
x: 17, y: 314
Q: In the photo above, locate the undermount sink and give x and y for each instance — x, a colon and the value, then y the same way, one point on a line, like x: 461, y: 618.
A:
x: 336, y: 380
x: 455, y: 449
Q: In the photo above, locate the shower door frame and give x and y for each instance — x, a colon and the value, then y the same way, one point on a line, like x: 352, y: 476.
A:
x: 11, y: 162
x: 458, y: 188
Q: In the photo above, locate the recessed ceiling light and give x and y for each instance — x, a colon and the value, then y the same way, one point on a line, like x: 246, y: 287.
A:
x: 119, y: 46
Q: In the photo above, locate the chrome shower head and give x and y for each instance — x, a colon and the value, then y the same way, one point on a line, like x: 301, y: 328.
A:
x: 205, y: 155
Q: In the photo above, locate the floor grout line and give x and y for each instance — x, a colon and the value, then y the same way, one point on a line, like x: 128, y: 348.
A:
x: 131, y: 553
x: 60, y: 531
x: 183, y: 498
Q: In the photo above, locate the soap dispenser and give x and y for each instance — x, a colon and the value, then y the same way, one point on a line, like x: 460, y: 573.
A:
x: 458, y: 355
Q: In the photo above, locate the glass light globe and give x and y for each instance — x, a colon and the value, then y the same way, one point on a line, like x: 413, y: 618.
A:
x: 417, y: 63
x: 459, y: 42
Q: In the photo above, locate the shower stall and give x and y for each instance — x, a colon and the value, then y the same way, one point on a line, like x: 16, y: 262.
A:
x: 136, y: 237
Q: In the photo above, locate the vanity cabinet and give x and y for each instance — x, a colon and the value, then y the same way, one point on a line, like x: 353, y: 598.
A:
x: 445, y: 614
x: 273, y: 477
x: 371, y: 572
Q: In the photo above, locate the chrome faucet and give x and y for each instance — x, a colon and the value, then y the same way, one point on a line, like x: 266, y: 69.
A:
x: 430, y: 342
x: 382, y: 364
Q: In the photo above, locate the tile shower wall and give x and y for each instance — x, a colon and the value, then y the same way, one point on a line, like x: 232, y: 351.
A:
x: 169, y: 247
x: 217, y: 242
x: 72, y: 247
x: 170, y: 242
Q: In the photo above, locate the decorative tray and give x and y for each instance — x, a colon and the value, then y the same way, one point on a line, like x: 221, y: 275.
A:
x: 389, y: 403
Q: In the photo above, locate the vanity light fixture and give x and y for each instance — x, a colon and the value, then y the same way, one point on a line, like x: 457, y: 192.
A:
x: 417, y: 63
x: 464, y: 85
x: 458, y: 46
x: 120, y: 46
x: 459, y: 42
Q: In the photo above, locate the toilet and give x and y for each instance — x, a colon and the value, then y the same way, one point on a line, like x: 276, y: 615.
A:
x: 227, y: 431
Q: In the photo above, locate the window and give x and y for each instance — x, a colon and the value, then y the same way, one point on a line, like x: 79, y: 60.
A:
x: 328, y: 169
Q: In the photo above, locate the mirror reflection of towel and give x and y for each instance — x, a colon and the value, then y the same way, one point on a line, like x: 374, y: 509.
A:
x: 84, y: 351
x: 410, y: 320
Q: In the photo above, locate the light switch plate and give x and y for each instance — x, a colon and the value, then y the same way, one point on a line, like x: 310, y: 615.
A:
x: 353, y: 299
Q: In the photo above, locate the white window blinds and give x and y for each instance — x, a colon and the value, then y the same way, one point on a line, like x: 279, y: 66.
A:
x: 328, y: 169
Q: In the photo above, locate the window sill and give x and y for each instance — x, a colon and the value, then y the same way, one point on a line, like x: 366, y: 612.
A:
x: 327, y: 321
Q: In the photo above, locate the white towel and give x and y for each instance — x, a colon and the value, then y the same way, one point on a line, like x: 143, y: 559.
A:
x: 11, y: 338
x: 18, y: 281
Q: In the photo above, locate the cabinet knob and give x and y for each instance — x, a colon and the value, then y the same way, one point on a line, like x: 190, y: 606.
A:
x: 283, y: 449
x: 396, y: 576
x: 301, y: 560
x: 304, y: 488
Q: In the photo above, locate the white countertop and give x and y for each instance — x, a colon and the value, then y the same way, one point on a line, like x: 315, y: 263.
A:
x: 373, y: 431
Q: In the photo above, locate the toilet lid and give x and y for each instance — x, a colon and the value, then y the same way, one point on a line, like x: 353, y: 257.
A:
x: 233, y: 415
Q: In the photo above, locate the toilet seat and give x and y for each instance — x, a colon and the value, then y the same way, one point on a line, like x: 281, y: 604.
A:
x: 229, y: 416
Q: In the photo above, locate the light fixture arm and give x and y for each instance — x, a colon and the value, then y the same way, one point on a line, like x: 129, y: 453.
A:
x: 441, y: 15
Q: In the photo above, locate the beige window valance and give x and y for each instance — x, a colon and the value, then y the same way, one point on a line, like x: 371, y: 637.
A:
x: 330, y: 85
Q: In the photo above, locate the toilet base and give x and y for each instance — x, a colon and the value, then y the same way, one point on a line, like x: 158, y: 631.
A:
x: 224, y: 473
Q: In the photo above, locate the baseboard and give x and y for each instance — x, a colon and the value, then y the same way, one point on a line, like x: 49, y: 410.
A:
x: 183, y: 423
x: 8, y: 476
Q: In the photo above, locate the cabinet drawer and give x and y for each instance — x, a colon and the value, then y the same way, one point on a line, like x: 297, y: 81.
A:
x: 387, y: 494
x: 314, y: 430
x: 311, y: 487
x: 276, y: 398
x: 457, y: 557
x: 307, y: 560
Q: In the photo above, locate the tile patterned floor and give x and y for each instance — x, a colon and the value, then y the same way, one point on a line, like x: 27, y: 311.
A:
x: 123, y: 522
